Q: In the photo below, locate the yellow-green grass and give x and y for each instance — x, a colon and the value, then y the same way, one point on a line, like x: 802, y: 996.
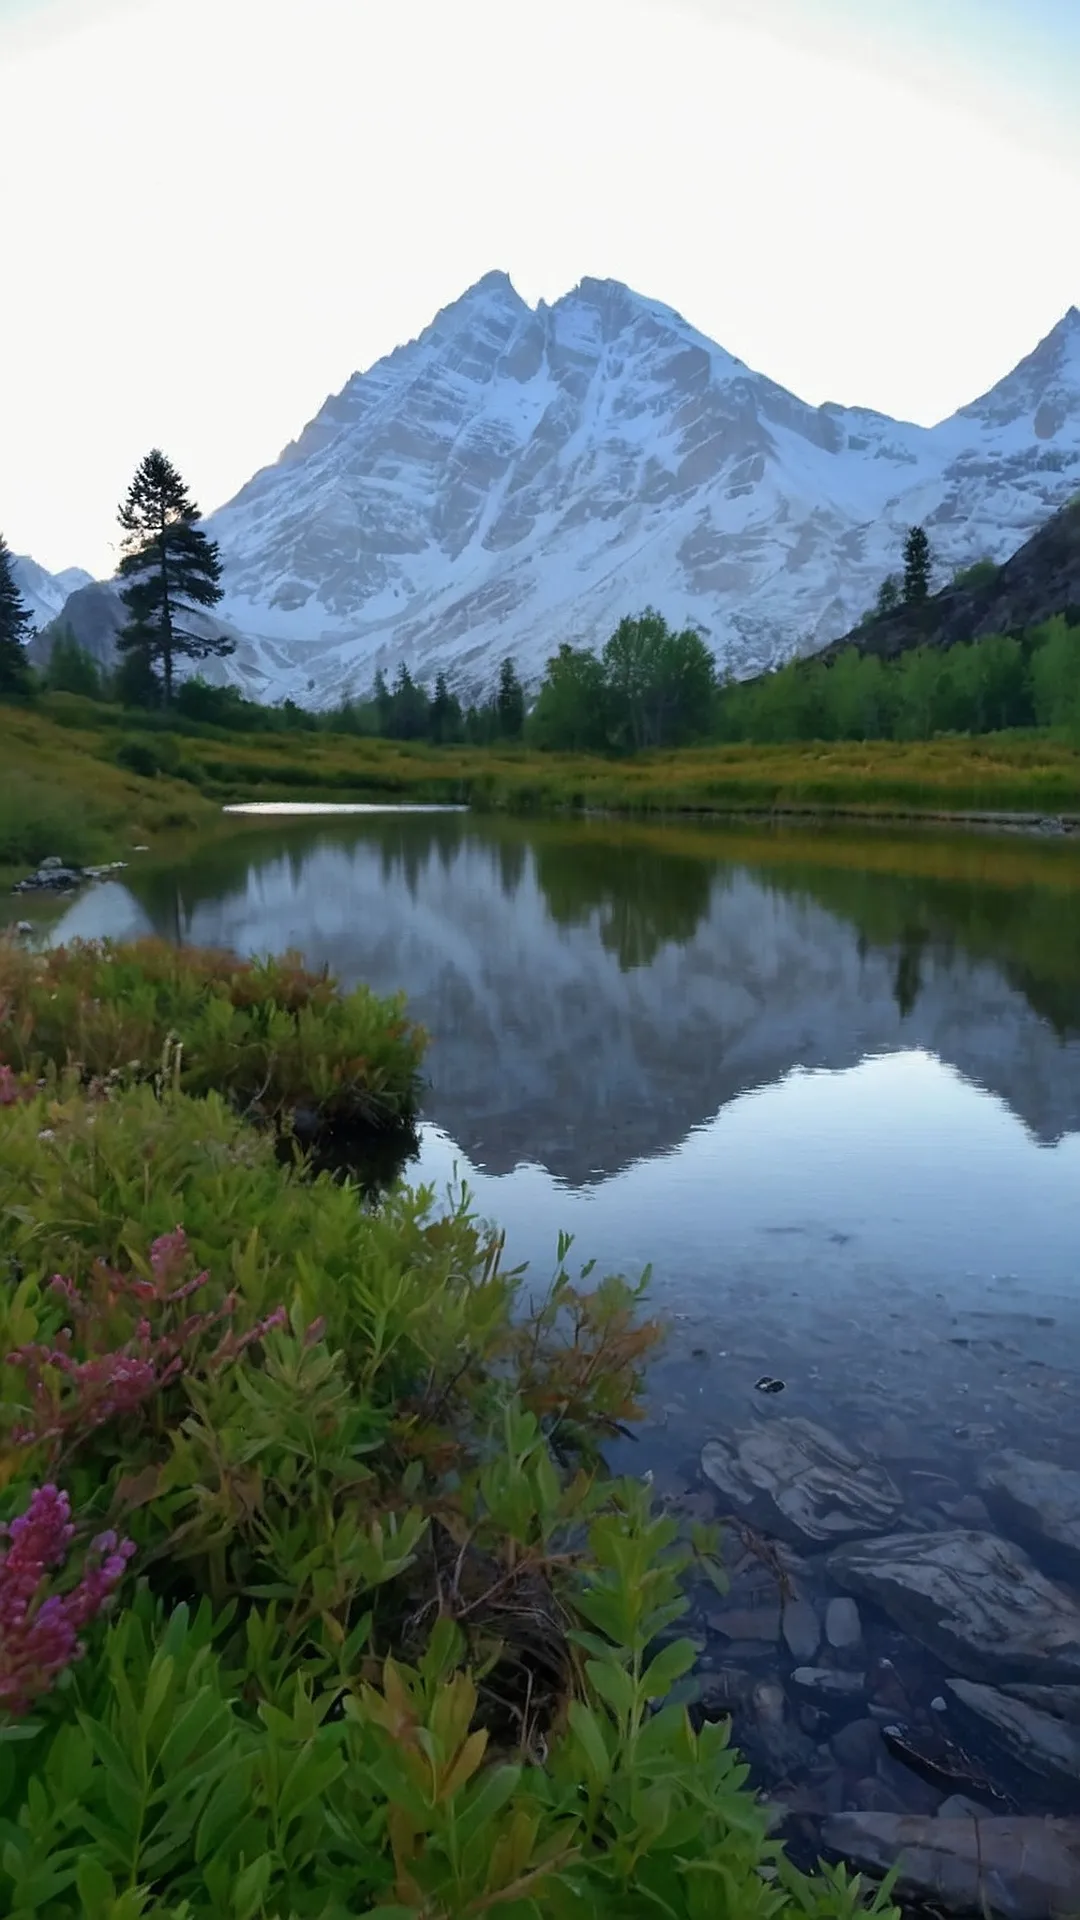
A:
x: 62, y: 780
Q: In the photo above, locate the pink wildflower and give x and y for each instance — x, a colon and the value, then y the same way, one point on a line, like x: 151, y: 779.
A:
x: 39, y: 1631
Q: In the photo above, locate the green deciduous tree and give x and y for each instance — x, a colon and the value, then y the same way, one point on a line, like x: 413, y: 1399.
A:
x: 660, y: 683
x: 570, y: 714
x: 170, y: 570
x: 916, y: 567
x: 16, y: 626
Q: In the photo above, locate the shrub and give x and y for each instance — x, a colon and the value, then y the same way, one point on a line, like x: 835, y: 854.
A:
x: 139, y: 756
x: 389, y: 1642
x: 278, y: 1039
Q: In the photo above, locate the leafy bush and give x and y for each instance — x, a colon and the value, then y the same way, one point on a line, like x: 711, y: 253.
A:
x: 35, y: 822
x: 139, y: 756
x: 276, y: 1038
x: 388, y: 1643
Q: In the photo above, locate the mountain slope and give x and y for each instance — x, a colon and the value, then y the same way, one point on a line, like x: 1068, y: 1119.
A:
x: 45, y: 593
x: 513, y: 478
x: 1040, y: 579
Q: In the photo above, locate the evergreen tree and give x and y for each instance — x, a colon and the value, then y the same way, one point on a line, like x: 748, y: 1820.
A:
x: 71, y: 668
x: 444, y: 713
x: 16, y: 626
x: 408, y: 707
x: 916, y: 567
x: 170, y: 568
x: 383, y: 701
x: 510, y: 702
x: 888, y: 598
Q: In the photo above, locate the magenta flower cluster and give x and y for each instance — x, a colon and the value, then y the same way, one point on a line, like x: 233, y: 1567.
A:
x: 39, y: 1630
x: 72, y: 1396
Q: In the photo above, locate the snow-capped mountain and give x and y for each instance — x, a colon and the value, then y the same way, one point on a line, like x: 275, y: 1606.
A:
x: 515, y: 477
x: 44, y: 594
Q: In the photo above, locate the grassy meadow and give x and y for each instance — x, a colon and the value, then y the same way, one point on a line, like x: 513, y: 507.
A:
x: 89, y: 782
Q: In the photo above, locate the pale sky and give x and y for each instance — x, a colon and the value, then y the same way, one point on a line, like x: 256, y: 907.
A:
x: 214, y: 212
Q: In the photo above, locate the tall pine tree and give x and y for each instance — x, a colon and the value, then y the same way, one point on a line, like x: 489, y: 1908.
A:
x: 169, y: 568
x: 16, y: 626
x: 916, y: 567
x: 510, y: 702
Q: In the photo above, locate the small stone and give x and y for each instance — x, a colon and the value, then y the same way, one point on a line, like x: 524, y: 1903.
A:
x: 1039, y: 1502
x: 938, y: 1704
x: 959, y: 1807
x: 843, y: 1627
x: 829, y: 1683
x: 746, y: 1623
x: 802, y: 1630
x: 858, y: 1745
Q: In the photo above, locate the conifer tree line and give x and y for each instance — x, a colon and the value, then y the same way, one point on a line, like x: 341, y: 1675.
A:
x: 651, y: 686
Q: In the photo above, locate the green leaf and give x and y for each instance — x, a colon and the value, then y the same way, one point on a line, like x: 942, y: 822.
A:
x: 670, y: 1665
x: 613, y: 1684
x: 486, y: 1799
x: 96, y: 1886
x: 251, y: 1886
x: 590, y: 1736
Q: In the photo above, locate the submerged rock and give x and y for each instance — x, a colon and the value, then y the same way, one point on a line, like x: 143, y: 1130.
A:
x: 843, y: 1628
x: 802, y: 1630
x: 1022, y: 1869
x: 1038, y: 1501
x: 1041, y: 1743
x: 831, y: 1684
x: 797, y: 1480
x: 976, y: 1601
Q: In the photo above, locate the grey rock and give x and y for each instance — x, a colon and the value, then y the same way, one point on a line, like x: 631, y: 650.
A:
x: 746, y: 1623
x: 829, y: 1683
x: 1022, y: 1869
x: 799, y: 1481
x: 976, y: 1601
x: 1037, y: 1500
x: 959, y: 1807
x: 802, y: 1630
x: 1044, y: 1745
x: 858, y: 1745
x: 725, y: 1691
x: 843, y: 1628
x: 1062, y: 1702
x: 50, y: 863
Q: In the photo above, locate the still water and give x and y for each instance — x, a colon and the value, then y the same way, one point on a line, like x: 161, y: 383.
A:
x: 828, y: 1085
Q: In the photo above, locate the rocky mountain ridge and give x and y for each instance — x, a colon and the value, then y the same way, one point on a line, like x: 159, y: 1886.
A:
x: 515, y: 477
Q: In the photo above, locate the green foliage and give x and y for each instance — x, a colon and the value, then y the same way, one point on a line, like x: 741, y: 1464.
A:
x: 1055, y: 674
x: 170, y: 569
x: 981, y: 573
x: 888, y: 595
x: 387, y: 1647
x: 16, y: 626
x: 36, y: 821
x: 916, y: 567
x: 274, y: 1037
x: 71, y: 669
x: 510, y: 702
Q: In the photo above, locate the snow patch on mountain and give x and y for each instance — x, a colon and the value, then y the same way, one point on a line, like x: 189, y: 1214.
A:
x: 515, y: 477
x: 44, y: 593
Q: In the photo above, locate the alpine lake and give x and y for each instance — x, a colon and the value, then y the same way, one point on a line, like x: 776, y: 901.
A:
x: 826, y: 1082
